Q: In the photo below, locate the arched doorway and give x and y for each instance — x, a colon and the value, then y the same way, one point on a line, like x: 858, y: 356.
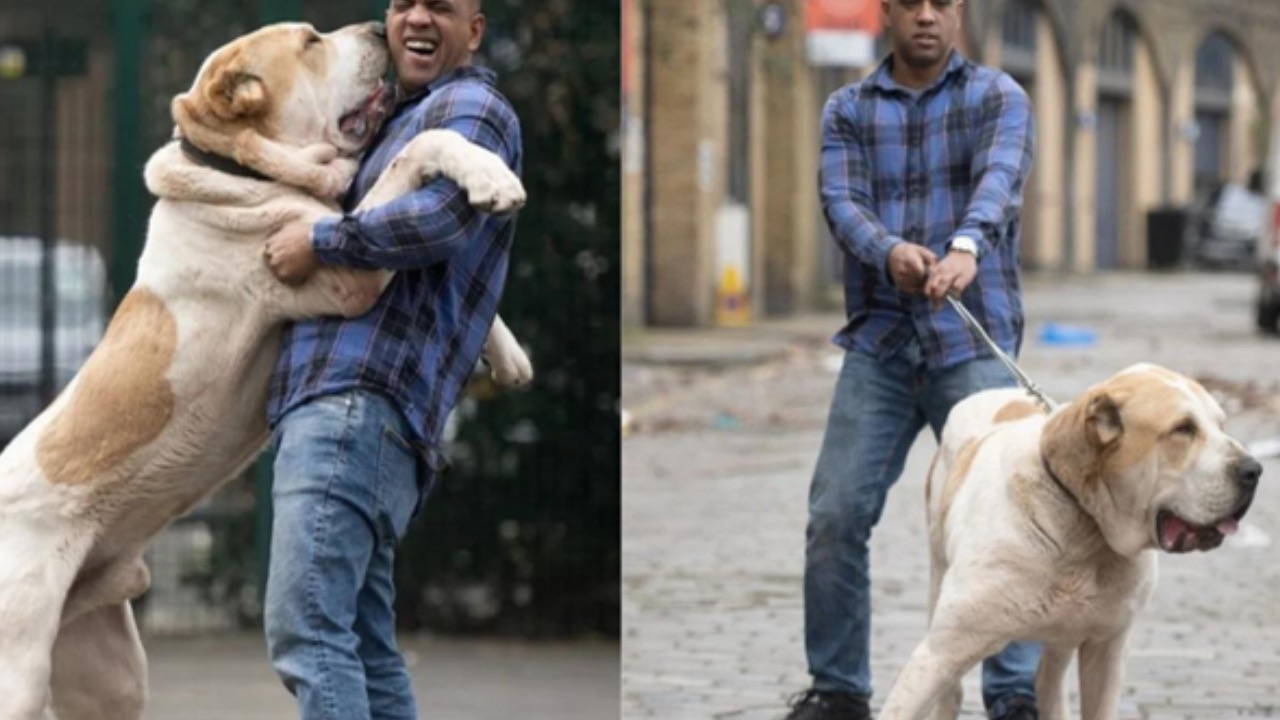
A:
x: 1214, y: 82
x: 1025, y: 45
x: 1128, y: 160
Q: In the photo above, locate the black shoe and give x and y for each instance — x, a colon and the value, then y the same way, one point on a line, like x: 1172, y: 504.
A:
x: 817, y: 705
x: 1017, y: 707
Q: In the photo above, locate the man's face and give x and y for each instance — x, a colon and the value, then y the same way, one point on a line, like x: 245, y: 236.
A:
x: 923, y: 31
x: 429, y: 38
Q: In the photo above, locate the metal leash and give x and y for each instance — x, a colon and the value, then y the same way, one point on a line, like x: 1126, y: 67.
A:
x: 1018, y: 375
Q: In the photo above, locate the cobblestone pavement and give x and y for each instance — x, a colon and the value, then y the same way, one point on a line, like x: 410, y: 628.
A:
x: 228, y: 678
x: 716, y: 469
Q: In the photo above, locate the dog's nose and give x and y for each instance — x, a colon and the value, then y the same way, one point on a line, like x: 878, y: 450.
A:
x: 1248, y: 471
x: 378, y: 29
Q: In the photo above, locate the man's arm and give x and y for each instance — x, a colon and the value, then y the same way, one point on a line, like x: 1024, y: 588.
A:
x: 427, y: 226
x: 1001, y: 162
x: 845, y: 184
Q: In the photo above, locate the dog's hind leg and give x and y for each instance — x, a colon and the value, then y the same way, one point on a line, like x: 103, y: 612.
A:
x: 952, y: 698
x: 1051, y: 696
x: 99, y: 667
x: 510, y: 364
x: 108, y: 585
x: 41, y: 561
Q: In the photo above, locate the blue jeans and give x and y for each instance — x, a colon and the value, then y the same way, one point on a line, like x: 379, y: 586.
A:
x: 347, y: 483
x: 878, y: 410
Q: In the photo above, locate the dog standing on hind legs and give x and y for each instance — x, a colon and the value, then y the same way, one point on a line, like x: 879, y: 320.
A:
x: 1045, y: 528
x: 172, y: 402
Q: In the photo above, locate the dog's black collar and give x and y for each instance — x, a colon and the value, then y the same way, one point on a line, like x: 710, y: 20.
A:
x: 1057, y: 480
x: 221, y: 163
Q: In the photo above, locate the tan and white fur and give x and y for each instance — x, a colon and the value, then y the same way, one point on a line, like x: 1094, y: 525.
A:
x: 172, y: 402
x: 1142, y: 464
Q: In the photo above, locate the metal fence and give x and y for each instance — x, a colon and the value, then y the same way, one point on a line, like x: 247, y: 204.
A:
x: 84, y: 101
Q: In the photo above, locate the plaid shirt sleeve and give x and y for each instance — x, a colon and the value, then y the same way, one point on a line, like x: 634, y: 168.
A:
x: 425, y: 227
x: 845, y: 181
x: 1001, y: 163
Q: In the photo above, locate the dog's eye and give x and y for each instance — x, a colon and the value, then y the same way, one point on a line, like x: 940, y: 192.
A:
x: 314, y: 39
x: 1187, y: 428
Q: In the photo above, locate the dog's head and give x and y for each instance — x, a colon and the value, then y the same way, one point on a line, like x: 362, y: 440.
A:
x: 1146, y: 454
x: 287, y: 87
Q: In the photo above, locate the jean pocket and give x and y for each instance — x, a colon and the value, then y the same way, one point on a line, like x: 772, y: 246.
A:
x: 397, y: 484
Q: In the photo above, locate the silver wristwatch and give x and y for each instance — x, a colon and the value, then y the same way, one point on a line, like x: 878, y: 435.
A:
x: 965, y: 245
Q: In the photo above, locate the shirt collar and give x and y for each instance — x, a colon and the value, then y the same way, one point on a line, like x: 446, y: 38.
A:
x: 484, y: 75
x: 882, y: 78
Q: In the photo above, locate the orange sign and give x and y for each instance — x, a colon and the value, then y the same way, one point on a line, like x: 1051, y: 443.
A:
x: 862, y: 15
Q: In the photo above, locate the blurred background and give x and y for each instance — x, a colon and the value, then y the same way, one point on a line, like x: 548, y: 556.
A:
x: 1153, y: 123
x: 521, y: 539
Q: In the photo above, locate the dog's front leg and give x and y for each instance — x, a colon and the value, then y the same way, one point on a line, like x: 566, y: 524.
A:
x: 1051, y: 697
x: 937, y: 664
x: 1101, y: 675
x: 490, y: 186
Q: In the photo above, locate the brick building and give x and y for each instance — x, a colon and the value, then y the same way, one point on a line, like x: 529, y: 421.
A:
x: 1139, y: 104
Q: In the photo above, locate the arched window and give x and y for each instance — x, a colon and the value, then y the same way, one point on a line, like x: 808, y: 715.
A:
x: 1115, y: 53
x: 1213, y: 64
x: 1018, y: 32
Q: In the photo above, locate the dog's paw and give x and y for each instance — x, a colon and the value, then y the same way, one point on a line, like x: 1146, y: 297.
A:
x: 511, y: 367
x: 491, y: 186
x: 319, y: 154
x: 340, y: 173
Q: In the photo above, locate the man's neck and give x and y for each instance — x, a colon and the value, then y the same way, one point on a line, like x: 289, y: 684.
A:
x: 406, y: 92
x: 918, y: 78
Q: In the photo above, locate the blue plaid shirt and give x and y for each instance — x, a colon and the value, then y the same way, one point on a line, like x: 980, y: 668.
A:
x: 926, y: 167
x: 421, y: 341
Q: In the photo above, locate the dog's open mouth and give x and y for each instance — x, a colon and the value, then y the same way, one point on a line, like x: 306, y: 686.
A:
x: 360, y: 123
x: 1177, y: 535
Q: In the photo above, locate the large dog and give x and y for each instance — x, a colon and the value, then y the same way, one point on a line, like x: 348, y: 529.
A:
x: 1045, y: 528
x: 172, y: 402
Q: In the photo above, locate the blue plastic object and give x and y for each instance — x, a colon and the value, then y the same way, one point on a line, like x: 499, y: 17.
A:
x: 1067, y: 336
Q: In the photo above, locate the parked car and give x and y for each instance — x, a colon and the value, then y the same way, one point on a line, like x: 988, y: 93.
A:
x: 1268, y: 250
x: 1229, y: 222
x: 80, y: 318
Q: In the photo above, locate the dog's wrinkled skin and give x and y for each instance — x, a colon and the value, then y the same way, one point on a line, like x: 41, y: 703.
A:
x: 1143, y: 465
x: 172, y: 402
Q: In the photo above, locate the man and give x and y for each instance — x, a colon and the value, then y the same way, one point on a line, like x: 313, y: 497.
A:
x: 358, y: 406
x: 924, y: 159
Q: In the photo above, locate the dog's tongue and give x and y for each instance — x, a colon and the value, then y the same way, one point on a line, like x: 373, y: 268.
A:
x: 354, y: 123
x: 370, y: 113
x: 1179, y: 536
x: 1174, y: 532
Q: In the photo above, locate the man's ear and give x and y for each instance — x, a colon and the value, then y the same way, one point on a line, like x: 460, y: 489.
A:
x: 1103, y: 419
x: 232, y: 94
x: 478, y: 24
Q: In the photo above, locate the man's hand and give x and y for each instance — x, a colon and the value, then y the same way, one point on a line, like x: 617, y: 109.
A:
x: 290, y: 255
x: 951, y: 277
x: 909, y: 265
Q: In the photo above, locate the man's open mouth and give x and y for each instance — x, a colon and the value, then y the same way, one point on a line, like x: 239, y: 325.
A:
x: 1177, y: 535
x: 360, y: 123
x: 421, y: 48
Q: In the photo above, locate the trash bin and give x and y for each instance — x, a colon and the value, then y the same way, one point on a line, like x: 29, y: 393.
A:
x: 1166, y: 237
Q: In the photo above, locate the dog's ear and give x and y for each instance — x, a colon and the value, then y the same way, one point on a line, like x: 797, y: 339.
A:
x: 1075, y: 437
x: 1103, y: 419
x: 231, y: 93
